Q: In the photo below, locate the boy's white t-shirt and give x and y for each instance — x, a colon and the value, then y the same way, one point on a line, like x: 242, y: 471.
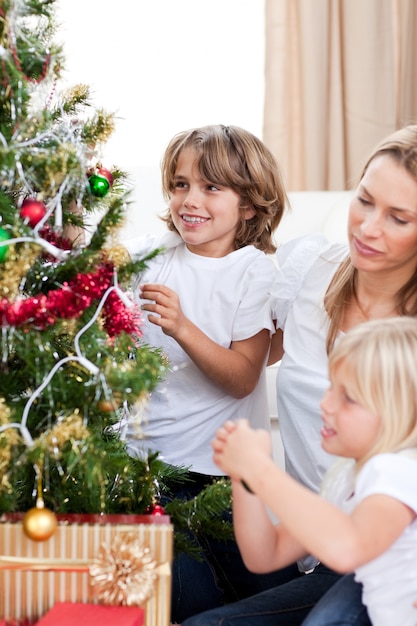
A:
x: 228, y: 298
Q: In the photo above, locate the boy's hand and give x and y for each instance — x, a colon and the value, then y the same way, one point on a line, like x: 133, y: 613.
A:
x: 164, y: 308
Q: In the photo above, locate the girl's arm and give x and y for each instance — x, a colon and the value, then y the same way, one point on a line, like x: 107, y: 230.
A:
x: 235, y: 369
x: 264, y: 545
x: 343, y: 542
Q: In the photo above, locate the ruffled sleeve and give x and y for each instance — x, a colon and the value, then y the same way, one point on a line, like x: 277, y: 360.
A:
x: 295, y: 258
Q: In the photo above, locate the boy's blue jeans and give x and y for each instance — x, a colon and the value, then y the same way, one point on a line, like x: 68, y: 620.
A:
x: 336, y: 600
x: 284, y: 605
x: 220, y: 591
x: 221, y: 578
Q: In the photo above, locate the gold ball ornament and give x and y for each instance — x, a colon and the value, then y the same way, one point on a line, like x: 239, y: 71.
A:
x: 39, y: 524
x: 107, y: 405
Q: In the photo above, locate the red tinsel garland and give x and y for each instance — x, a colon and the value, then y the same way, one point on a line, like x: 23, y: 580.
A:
x: 70, y: 301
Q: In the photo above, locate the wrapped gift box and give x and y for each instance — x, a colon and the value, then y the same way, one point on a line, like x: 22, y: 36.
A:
x: 77, y: 565
x: 67, y: 614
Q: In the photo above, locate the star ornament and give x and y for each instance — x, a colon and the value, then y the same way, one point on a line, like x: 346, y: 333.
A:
x: 124, y: 573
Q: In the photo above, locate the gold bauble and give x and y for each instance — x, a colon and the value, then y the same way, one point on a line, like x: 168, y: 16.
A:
x: 39, y: 524
x: 107, y: 405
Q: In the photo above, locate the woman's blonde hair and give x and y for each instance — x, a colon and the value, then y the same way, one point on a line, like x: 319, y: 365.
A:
x: 379, y: 363
x: 401, y: 146
x: 232, y: 157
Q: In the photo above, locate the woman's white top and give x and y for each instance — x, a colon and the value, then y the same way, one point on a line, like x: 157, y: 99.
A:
x: 228, y: 298
x: 389, y: 581
x: 306, y: 267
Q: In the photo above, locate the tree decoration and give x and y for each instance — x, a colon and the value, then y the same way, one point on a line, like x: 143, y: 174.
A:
x: 100, y: 182
x: 156, y: 510
x: 4, y: 236
x: 32, y: 211
x: 39, y: 523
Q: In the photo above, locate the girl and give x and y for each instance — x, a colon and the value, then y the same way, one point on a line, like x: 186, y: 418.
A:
x: 367, y: 518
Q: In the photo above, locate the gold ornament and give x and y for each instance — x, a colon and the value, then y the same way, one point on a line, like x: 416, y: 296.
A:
x: 39, y: 523
x: 107, y: 405
x: 124, y: 574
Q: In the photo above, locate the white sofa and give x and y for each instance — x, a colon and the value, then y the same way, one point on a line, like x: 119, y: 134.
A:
x: 311, y: 211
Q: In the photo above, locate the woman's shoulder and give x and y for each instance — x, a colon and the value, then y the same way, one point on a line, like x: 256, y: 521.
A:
x: 307, y: 248
x: 309, y: 260
x: 304, y: 256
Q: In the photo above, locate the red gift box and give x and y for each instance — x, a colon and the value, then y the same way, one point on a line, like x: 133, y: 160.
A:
x: 77, y: 614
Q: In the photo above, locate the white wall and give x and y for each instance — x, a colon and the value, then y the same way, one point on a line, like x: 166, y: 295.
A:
x: 166, y: 66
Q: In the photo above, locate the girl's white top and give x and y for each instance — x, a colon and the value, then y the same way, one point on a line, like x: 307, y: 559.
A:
x: 390, y: 580
x: 228, y: 298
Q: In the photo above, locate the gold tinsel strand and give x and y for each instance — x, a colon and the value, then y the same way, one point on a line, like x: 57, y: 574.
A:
x: 15, y: 268
x: 64, y: 158
x: 118, y: 255
x: 76, y: 93
x: 9, y: 438
x: 70, y: 428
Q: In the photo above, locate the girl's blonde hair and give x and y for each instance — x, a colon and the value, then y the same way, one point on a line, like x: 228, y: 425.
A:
x: 232, y: 157
x: 379, y: 363
x: 401, y: 146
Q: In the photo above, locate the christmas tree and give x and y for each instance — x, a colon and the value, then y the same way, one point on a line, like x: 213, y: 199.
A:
x: 72, y: 361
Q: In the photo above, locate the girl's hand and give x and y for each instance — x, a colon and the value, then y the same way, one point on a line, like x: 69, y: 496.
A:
x: 238, y: 449
x: 164, y: 308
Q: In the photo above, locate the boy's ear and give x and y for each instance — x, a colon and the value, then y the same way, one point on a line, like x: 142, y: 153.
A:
x: 249, y: 212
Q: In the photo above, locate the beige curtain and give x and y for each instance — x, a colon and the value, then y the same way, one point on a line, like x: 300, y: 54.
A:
x: 339, y: 76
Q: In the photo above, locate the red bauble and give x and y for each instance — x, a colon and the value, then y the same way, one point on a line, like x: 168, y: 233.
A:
x: 32, y: 211
x: 102, y: 171
x: 156, y: 510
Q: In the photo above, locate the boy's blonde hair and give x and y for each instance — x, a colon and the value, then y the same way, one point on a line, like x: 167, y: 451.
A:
x: 379, y: 361
x: 232, y: 157
x: 401, y: 146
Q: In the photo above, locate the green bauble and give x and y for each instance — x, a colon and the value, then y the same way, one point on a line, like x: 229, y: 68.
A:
x: 4, y: 236
x: 100, y: 182
x: 99, y: 186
